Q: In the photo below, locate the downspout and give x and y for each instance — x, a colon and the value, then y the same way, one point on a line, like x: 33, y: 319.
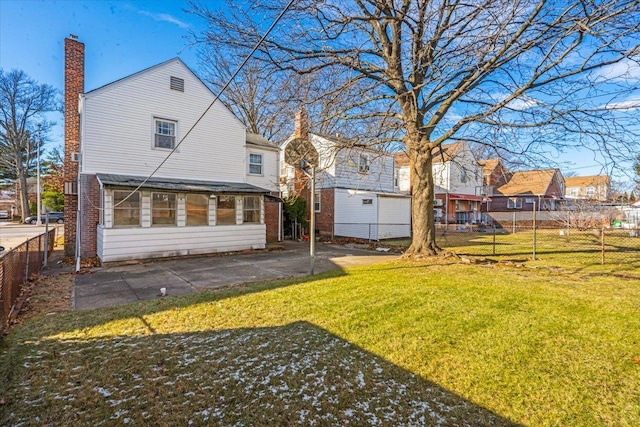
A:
x: 80, y: 161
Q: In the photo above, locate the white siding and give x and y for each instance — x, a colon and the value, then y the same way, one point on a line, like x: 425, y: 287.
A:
x: 352, y: 218
x: 120, y: 244
x: 270, y: 172
x: 378, y: 178
x: 118, y: 119
x: 394, y: 216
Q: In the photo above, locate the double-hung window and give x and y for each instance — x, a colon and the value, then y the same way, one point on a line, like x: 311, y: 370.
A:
x: 363, y: 164
x: 197, y: 209
x: 255, y: 164
x: 514, y: 203
x: 226, y: 210
x: 163, y: 209
x: 165, y: 134
x: 126, y: 208
x: 251, y: 209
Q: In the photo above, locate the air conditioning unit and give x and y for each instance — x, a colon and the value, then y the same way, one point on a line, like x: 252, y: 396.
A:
x: 75, y: 157
x: 437, y: 202
x: 437, y: 213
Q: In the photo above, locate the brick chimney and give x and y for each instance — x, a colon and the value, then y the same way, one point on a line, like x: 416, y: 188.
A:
x: 73, y: 87
x: 301, y: 125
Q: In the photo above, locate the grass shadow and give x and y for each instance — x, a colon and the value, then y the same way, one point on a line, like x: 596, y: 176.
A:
x: 297, y: 373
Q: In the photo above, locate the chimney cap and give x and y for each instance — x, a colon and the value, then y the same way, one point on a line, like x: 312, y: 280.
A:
x: 73, y: 37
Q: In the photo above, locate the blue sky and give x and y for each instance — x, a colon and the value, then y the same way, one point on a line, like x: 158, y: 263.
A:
x: 121, y: 38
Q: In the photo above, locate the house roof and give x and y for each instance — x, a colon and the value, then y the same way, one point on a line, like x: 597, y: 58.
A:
x: 587, y: 181
x: 448, y: 152
x: 401, y: 159
x: 444, y: 153
x: 535, y: 182
x: 260, y: 141
x: 489, y: 165
x: 179, y: 184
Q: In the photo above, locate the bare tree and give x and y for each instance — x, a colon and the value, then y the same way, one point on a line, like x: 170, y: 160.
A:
x: 22, y: 126
x: 525, y: 77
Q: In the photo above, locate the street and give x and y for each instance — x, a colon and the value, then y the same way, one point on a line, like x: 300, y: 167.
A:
x: 13, y: 234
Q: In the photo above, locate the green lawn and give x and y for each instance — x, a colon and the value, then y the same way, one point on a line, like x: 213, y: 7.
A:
x: 394, y: 344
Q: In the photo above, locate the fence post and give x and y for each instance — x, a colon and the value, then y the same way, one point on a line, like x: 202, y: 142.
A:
x: 26, y: 264
x: 494, y: 238
x: 513, y: 223
x: 534, y: 230
x: 369, y: 232
x: 602, y: 247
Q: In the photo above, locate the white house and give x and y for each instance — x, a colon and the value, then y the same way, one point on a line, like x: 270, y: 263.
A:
x: 458, y: 183
x: 163, y: 170
x: 355, y: 195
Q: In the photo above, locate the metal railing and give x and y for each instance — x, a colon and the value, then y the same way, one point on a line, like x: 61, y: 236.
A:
x: 17, y: 266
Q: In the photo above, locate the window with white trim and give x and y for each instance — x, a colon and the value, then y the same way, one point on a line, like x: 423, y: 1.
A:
x: 163, y: 209
x: 573, y: 191
x: 251, y: 209
x: 316, y: 201
x: 255, y: 164
x: 591, y: 191
x: 363, y: 165
x: 165, y: 134
x: 126, y: 208
x: 514, y: 203
x: 197, y: 209
x: 226, y: 210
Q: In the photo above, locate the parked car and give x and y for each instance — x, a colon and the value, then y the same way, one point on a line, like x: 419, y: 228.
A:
x: 53, y: 217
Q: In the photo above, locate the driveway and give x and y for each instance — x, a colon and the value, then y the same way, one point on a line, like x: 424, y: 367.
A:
x: 112, y: 286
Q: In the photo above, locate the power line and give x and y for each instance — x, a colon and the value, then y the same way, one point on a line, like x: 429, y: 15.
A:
x: 226, y: 85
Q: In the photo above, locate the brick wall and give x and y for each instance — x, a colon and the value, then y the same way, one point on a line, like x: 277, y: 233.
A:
x: 89, y: 192
x: 325, y: 218
x: 73, y: 86
x: 272, y: 219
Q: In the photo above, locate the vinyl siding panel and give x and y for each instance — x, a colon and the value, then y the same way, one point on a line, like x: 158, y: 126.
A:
x: 352, y: 218
x: 270, y: 173
x: 120, y: 244
x: 378, y: 178
x: 394, y: 216
x: 118, y: 129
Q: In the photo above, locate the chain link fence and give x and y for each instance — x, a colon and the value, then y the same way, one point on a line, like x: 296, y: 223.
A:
x: 17, y: 265
x: 596, y: 245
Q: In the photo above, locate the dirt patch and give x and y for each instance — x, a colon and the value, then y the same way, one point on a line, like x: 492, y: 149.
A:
x: 45, y: 295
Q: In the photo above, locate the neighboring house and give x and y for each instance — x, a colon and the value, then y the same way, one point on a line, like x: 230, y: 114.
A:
x: 458, y: 183
x: 593, y: 188
x: 494, y: 174
x: 138, y: 201
x: 355, y: 194
x: 545, y: 188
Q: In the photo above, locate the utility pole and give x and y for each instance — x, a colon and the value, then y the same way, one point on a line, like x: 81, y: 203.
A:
x: 38, y: 143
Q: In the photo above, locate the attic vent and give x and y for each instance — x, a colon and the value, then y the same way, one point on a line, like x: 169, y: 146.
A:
x: 177, y: 84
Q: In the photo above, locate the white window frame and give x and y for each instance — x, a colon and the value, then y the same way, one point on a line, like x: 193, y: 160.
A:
x: 186, y: 208
x: 258, y: 210
x: 154, y: 142
x: 122, y: 206
x: 364, y: 165
x: 574, y: 191
x: 591, y: 191
x: 174, y: 209
x: 260, y: 164
x: 317, y: 205
x: 514, y: 203
x: 235, y: 209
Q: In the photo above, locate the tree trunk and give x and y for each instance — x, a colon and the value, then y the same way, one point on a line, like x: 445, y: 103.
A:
x: 424, y: 229
x: 24, y: 193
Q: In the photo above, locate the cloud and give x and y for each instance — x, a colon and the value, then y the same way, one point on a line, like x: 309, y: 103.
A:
x: 623, y: 71
x: 629, y: 104
x: 522, y: 103
x: 164, y: 17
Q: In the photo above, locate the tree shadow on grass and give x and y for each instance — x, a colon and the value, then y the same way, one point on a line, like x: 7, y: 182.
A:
x: 295, y: 374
